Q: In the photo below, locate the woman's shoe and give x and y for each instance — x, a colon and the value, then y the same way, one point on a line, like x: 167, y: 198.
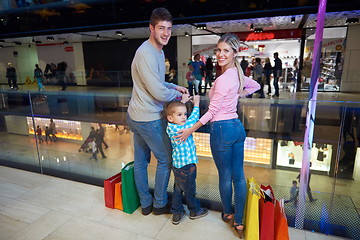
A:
x: 239, y: 228
x: 227, y: 217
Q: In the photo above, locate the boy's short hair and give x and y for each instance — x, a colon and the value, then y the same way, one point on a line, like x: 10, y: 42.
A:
x: 171, y: 105
x: 294, y: 182
x: 160, y: 14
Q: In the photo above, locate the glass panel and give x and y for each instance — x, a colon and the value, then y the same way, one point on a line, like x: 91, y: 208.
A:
x: 273, y: 148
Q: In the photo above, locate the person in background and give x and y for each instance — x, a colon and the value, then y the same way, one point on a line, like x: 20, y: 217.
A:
x: 308, y: 190
x: 277, y: 71
x: 209, y: 74
x: 167, y: 70
x: 294, y: 192
x: 199, y: 69
x: 102, y: 135
x: 227, y: 134
x: 144, y: 114
x: 244, y: 64
x: 190, y: 80
x: 11, y: 76
x: 258, y: 76
x: 267, y: 72
x: 184, y: 161
x: 39, y: 134
x: 99, y: 140
x: 47, y: 134
x: 93, y: 149
x: 38, y: 75
x: 52, y: 129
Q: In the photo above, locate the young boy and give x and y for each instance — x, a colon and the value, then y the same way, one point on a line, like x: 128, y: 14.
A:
x: 293, y: 193
x: 93, y: 149
x: 184, y: 160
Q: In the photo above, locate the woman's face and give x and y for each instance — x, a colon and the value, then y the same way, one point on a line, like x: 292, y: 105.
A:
x: 225, y: 55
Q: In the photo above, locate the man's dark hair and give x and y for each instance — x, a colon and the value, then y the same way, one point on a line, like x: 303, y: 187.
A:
x: 294, y: 182
x: 276, y: 54
x: 160, y: 14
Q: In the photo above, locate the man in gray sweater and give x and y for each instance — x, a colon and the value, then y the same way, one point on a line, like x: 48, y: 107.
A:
x: 144, y: 118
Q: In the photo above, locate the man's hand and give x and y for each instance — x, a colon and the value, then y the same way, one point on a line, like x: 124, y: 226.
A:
x: 181, y: 89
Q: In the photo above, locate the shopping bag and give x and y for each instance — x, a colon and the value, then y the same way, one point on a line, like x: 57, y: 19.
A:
x: 252, y: 210
x: 109, y: 190
x: 281, y: 225
x: 118, y: 196
x: 130, y: 196
x: 266, y: 214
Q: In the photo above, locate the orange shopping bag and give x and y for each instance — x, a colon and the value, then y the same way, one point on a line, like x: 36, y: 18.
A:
x: 281, y: 225
x: 118, y: 203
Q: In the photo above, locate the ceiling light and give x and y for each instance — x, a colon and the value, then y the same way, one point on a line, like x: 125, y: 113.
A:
x: 352, y: 20
x: 258, y: 30
x: 252, y: 27
x: 124, y: 39
x: 201, y: 26
x: 187, y: 34
x: 66, y: 42
x: 118, y: 33
x: 38, y: 42
x: 18, y: 43
x: 292, y: 20
x: 50, y: 38
x: 97, y: 36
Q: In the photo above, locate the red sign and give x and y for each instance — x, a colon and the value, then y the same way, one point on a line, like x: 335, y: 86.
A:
x: 267, y: 35
x: 69, y: 49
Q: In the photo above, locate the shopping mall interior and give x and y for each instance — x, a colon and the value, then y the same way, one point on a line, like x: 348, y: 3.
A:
x: 56, y: 182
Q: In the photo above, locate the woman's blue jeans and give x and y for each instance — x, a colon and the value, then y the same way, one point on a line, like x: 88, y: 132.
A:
x: 151, y: 137
x: 227, y: 146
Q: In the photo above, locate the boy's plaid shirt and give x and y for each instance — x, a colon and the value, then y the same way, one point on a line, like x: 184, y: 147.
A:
x: 183, y: 153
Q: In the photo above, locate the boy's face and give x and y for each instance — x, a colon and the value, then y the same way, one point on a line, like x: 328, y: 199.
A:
x: 179, y: 115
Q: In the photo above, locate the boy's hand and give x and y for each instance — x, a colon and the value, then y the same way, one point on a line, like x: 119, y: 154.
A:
x: 185, y: 98
x: 196, y: 100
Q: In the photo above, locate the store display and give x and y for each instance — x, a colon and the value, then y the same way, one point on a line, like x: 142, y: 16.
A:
x: 64, y: 128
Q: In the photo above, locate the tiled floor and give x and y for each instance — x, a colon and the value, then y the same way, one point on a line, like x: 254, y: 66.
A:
x: 35, y: 206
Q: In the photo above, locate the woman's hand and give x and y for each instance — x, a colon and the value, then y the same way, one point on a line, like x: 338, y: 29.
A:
x: 185, y: 98
x: 183, y: 134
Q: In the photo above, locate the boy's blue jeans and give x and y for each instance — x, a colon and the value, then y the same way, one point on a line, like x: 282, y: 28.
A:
x: 185, y: 181
x: 227, y: 146
x: 151, y: 137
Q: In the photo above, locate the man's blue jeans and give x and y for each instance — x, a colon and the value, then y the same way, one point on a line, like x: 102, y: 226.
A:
x: 185, y: 181
x: 151, y: 137
x: 227, y: 146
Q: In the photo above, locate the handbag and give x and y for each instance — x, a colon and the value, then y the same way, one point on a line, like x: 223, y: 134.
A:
x: 118, y: 196
x: 281, y: 225
x: 252, y: 210
x: 130, y: 196
x: 267, y: 214
x: 109, y: 190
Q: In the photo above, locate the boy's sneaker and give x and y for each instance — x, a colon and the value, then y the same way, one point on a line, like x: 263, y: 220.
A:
x: 202, y: 213
x: 177, y: 217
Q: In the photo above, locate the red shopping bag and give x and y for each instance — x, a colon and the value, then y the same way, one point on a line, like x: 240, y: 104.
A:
x: 267, y: 214
x: 281, y: 225
x: 109, y: 190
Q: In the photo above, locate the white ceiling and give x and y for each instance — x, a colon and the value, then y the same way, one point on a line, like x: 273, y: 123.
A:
x: 241, y: 25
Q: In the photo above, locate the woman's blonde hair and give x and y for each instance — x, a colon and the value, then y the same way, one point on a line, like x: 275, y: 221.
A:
x: 234, y: 42
x: 267, y: 60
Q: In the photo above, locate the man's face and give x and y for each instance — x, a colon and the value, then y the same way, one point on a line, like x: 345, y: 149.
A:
x: 161, y: 32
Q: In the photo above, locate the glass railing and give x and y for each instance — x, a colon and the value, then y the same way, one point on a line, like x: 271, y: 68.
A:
x: 273, y: 148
